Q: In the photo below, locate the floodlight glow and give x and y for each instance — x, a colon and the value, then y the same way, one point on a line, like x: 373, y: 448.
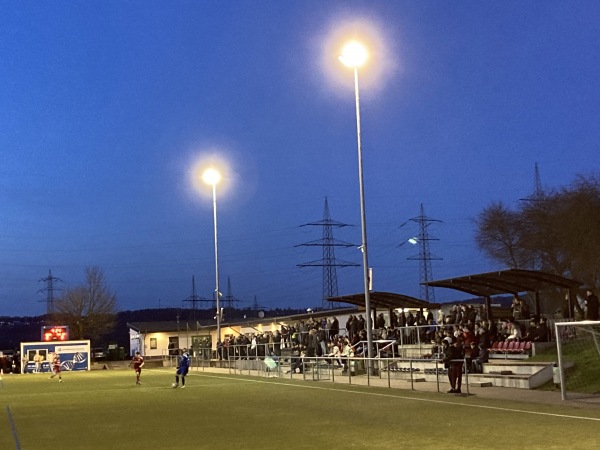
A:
x: 211, y: 176
x: 354, y: 54
x: 413, y: 241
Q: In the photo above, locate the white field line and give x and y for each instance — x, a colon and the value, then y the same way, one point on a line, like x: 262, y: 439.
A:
x: 443, y: 402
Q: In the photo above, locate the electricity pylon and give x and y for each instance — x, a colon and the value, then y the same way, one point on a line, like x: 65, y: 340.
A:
x: 49, y: 290
x: 329, y: 263
x: 425, y: 257
x: 538, y: 192
x: 229, y: 299
x: 195, y: 298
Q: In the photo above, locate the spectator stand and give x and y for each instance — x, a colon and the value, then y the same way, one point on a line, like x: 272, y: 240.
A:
x: 511, y: 281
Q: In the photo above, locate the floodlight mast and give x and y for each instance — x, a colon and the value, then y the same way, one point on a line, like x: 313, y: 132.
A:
x: 212, y: 176
x: 354, y: 55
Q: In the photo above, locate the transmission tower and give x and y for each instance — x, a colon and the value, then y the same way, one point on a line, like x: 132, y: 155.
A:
x: 256, y: 306
x: 538, y: 192
x: 49, y: 290
x: 538, y: 195
x: 194, y: 298
x: 229, y: 298
x: 425, y: 256
x: 329, y: 262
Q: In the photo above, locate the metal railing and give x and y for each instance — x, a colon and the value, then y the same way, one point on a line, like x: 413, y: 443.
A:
x: 386, y: 372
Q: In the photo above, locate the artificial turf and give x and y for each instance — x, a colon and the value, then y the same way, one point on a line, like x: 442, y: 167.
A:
x: 105, y: 409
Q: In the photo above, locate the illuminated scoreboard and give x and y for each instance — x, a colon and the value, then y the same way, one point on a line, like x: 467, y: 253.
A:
x: 55, y: 333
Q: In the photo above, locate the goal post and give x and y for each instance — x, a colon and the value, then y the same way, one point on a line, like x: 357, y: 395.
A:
x: 578, y: 350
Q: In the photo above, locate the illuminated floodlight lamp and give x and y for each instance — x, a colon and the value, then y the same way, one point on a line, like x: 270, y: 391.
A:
x: 211, y: 176
x: 354, y: 54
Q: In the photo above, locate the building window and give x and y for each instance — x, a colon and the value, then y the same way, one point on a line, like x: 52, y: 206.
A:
x: 153, y: 344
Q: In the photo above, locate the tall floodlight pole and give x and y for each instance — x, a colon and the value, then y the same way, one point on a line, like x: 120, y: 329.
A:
x: 212, y: 176
x: 354, y: 55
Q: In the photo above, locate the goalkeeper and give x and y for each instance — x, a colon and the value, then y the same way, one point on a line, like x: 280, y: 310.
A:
x: 183, y: 365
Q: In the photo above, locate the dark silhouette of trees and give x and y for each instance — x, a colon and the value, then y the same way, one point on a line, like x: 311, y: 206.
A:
x: 558, y: 232
x: 90, y: 309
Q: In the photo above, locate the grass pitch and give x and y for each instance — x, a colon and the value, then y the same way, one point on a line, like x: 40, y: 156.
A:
x: 107, y: 410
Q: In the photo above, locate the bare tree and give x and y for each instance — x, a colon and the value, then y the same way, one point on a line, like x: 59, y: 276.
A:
x: 89, y: 310
x: 499, y: 236
x: 559, y: 233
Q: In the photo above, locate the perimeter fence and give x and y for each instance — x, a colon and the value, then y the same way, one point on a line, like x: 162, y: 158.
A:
x: 379, y: 372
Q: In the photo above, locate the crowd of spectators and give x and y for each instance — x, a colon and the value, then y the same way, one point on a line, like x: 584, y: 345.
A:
x: 326, y: 337
x: 10, y: 362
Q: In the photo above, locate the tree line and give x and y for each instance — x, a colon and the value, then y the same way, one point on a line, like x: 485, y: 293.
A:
x: 556, y: 232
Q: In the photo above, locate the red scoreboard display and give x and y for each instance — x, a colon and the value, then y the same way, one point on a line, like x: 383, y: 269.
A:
x: 55, y: 333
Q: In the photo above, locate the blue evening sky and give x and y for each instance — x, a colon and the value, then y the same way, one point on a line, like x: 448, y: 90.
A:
x: 106, y: 108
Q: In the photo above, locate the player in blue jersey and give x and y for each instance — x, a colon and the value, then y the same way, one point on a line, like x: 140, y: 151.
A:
x: 183, y: 365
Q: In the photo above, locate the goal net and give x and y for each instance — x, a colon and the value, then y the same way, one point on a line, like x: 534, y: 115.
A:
x: 578, y: 347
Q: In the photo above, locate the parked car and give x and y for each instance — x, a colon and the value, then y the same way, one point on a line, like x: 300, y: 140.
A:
x: 98, y: 353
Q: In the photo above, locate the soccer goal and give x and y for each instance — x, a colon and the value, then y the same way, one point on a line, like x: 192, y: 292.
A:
x: 578, y: 347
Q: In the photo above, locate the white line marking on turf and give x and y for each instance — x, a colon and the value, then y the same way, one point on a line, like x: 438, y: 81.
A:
x: 13, y: 428
x: 443, y: 402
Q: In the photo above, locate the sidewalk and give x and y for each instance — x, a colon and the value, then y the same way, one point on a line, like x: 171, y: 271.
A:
x: 501, y: 393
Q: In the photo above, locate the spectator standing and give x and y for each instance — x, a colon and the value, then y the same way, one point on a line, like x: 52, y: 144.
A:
x: 322, y: 341
x: 349, y: 326
x: 440, y: 316
x: 276, y: 343
x: 253, y: 345
x: 285, y: 336
x: 334, y: 329
x: 312, y: 343
x: 37, y: 360
x: 592, y: 306
x: 219, y: 350
x: 543, y: 333
x: 525, y: 314
x: 354, y: 328
x: 244, y: 343
x: 361, y: 323
x: 454, y: 359
x: 516, y: 308
x: 380, y: 321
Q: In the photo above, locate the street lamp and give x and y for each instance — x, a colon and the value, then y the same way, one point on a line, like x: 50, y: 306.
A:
x: 212, y: 176
x: 354, y: 55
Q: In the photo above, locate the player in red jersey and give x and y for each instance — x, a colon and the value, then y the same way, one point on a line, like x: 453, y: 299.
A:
x: 56, y: 367
x: 138, y: 363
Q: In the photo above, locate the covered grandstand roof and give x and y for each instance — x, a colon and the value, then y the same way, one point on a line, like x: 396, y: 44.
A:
x: 511, y: 281
x: 387, y: 300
